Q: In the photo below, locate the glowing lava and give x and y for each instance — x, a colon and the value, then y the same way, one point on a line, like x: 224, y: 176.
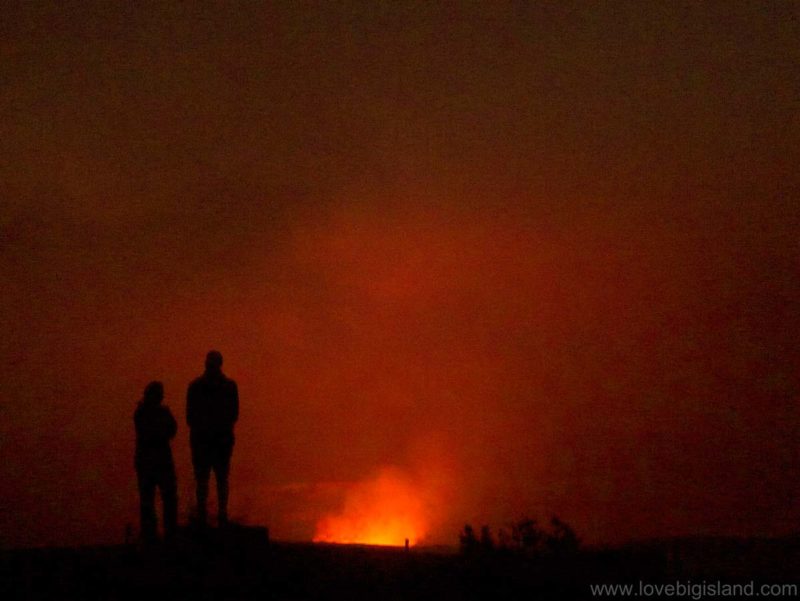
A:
x: 384, y: 511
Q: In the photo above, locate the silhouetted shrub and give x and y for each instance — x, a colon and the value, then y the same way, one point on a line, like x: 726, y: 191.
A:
x: 527, y: 536
x: 504, y: 540
x: 561, y: 540
x: 486, y: 542
x: 468, y: 541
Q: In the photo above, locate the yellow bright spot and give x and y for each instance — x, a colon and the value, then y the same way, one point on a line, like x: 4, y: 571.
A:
x: 384, y: 511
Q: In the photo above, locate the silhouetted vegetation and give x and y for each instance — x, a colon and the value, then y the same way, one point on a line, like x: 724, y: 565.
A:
x: 486, y: 542
x: 526, y: 537
x: 468, y: 542
x: 561, y: 540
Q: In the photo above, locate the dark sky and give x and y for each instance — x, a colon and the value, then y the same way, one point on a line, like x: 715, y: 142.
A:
x: 526, y: 257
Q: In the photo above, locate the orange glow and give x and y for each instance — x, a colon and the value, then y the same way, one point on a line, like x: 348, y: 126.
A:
x: 383, y: 511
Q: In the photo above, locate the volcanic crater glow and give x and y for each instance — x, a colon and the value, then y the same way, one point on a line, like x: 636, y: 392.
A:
x: 384, y: 511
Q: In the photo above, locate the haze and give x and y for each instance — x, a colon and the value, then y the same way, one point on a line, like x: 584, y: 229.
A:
x: 525, y: 258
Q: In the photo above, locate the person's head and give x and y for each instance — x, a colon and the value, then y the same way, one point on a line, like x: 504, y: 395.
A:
x: 213, y: 362
x: 153, y: 393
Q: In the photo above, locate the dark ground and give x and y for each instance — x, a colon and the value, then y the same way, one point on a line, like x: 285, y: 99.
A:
x: 242, y: 564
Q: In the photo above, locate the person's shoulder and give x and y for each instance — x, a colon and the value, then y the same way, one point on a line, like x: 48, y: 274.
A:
x: 198, y: 381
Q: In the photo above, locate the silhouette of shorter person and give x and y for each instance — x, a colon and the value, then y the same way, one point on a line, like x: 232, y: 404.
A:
x: 155, y: 427
x: 212, y: 408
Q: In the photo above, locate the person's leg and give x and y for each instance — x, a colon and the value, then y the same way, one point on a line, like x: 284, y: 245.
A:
x: 202, y: 472
x: 169, y: 499
x: 222, y: 464
x: 147, y: 510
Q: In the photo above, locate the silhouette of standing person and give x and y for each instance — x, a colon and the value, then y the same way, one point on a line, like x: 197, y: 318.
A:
x: 212, y: 408
x: 155, y: 427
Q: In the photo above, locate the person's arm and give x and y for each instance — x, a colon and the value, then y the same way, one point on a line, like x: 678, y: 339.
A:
x: 172, y: 425
x: 146, y: 430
